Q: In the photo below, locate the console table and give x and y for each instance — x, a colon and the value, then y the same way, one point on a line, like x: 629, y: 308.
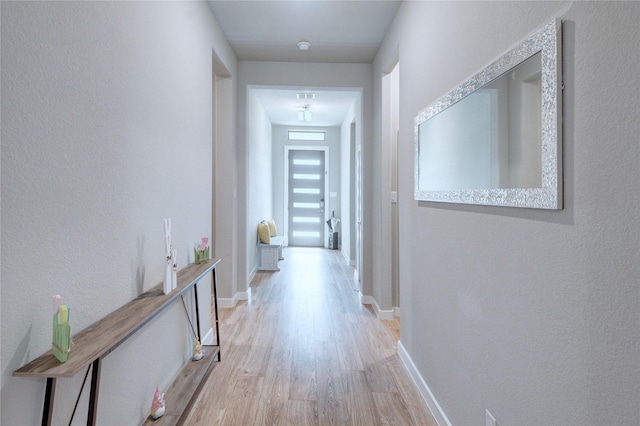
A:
x: 95, y: 342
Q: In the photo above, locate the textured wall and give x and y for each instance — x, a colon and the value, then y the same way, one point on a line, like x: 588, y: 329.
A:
x: 531, y: 314
x: 106, y: 130
x: 225, y: 218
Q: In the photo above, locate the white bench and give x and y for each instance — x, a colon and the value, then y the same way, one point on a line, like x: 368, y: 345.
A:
x: 270, y: 254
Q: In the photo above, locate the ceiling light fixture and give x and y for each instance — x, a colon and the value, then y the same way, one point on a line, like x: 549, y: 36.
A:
x: 304, y: 114
x: 304, y: 45
x: 305, y: 95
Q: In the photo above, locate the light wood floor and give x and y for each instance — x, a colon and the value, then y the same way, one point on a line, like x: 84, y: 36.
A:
x: 304, y: 351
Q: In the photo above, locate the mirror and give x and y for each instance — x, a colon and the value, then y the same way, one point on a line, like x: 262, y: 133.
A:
x: 496, y: 138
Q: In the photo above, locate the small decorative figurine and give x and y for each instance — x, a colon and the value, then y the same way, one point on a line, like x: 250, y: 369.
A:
x: 198, y: 353
x: 168, y: 267
x: 174, y: 271
x: 157, y: 406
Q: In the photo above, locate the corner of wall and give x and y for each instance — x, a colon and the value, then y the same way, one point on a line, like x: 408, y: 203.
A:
x: 382, y: 314
x: 233, y: 301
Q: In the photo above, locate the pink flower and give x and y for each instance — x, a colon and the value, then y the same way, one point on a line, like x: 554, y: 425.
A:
x: 203, y: 244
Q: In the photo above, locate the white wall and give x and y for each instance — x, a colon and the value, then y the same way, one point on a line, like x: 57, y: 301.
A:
x: 311, y: 76
x: 106, y: 130
x: 260, y: 195
x: 353, y: 117
x: 225, y: 181
x: 394, y: 116
x: 531, y: 314
x: 385, y: 282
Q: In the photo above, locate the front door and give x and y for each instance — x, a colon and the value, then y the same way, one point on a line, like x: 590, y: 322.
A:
x: 306, y: 198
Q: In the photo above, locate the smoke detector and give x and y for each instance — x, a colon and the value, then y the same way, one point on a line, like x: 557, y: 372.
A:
x: 304, y: 45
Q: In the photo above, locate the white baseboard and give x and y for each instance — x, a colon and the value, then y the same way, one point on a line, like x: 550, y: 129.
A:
x: 396, y: 311
x: 352, y: 263
x: 252, y: 274
x: 380, y: 313
x: 423, y: 389
x: 208, y: 338
x: 231, y: 302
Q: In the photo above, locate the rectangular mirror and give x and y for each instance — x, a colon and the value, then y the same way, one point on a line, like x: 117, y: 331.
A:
x: 496, y: 138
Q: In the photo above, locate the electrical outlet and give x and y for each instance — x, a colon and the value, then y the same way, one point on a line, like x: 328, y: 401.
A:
x: 490, y: 420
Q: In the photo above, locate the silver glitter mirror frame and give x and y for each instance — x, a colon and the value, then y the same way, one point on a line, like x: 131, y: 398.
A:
x: 496, y: 139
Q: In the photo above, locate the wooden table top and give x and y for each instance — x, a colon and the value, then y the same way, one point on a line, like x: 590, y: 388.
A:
x: 104, y: 336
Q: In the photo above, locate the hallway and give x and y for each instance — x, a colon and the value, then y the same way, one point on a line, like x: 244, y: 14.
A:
x: 304, y: 351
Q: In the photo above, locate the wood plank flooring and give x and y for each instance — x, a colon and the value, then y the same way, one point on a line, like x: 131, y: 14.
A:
x: 304, y: 351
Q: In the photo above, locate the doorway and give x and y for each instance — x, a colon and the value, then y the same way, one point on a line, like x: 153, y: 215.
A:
x: 272, y: 130
x: 306, y: 182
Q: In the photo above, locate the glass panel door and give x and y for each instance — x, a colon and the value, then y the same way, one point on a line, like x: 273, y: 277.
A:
x: 306, y: 198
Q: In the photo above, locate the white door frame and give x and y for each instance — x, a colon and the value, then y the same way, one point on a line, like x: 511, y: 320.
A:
x: 325, y: 149
x: 358, y: 195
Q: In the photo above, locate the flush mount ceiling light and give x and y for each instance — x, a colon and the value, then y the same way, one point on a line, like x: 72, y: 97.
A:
x: 304, y: 45
x: 305, y: 95
x: 304, y: 113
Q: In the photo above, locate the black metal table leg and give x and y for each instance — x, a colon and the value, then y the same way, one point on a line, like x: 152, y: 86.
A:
x: 49, y: 393
x: 195, y: 295
x: 215, y: 306
x: 93, y: 396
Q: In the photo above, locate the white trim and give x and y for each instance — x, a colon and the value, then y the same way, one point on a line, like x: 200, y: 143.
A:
x: 208, y: 338
x: 224, y: 302
x: 352, y: 263
x: 380, y: 313
x: 253, y: 272
x: 423, y: 389
x: 359, y: 208
x: 396, y: 311
x: 366, y: 300
x: 386, y: 314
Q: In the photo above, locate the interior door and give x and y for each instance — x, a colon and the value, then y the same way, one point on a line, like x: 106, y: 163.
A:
x: 306, y: 198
